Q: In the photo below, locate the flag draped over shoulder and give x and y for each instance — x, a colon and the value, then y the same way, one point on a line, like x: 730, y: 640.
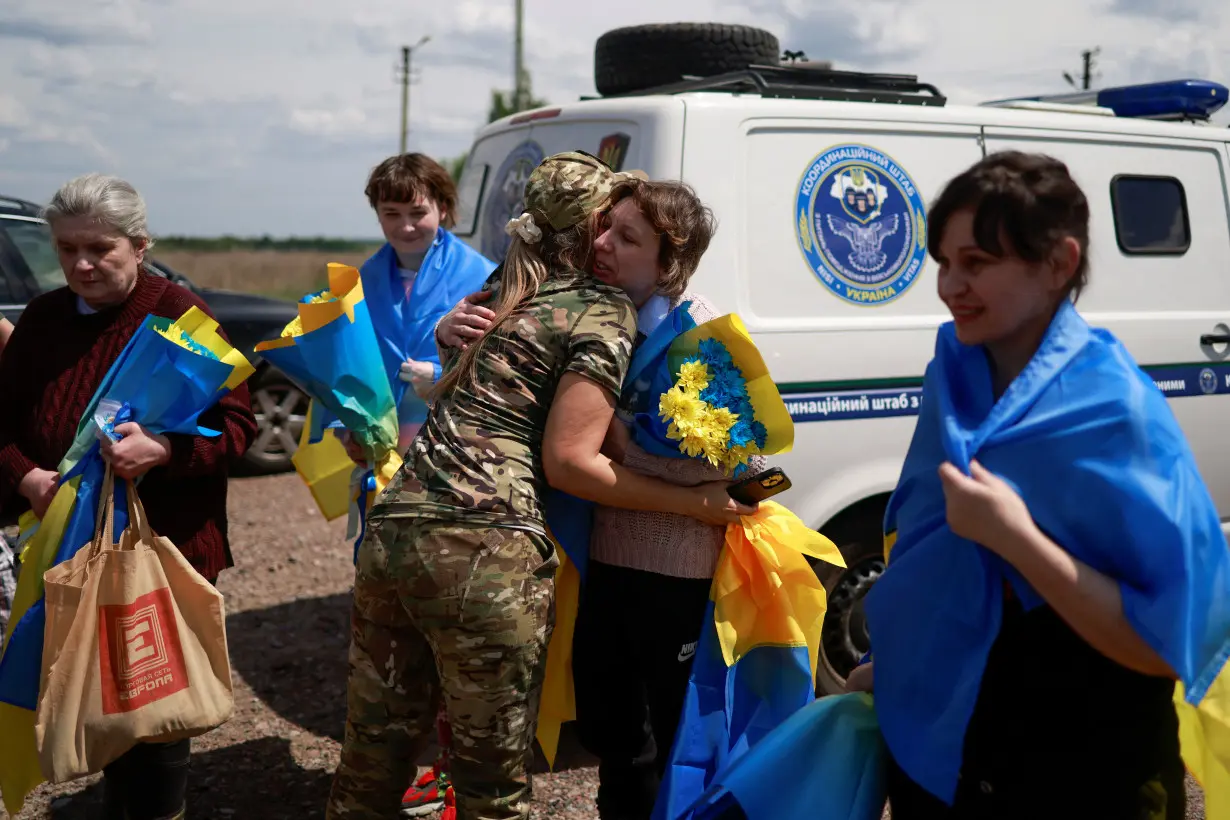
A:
x: 166, y: 376
x: 331, y: 351
x: 405, y: 324
x: 1081, y: 415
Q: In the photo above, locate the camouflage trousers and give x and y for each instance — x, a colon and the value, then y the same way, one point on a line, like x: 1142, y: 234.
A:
x: 461, y: 614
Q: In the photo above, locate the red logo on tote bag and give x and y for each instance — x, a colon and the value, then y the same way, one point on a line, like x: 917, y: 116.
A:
x: 140, y: 657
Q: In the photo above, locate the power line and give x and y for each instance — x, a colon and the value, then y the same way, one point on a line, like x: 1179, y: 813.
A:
x: 407, y: 52
x: 521, y: 95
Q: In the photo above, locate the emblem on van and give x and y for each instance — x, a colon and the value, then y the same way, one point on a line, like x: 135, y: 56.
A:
x: 1208, y: 381
x: 507, y: 197
x: 613, y: 149
x: 861, y: 224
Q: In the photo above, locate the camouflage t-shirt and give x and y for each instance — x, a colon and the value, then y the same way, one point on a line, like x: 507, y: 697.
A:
x: 478, y: 458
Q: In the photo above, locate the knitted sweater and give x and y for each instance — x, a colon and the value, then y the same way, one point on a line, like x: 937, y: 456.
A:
x: 667, y: 544
x: 50, y: 370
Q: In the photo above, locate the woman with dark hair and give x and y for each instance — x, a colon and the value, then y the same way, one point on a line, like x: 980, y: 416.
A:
x: 417, y: 276
x: 1055, y: 561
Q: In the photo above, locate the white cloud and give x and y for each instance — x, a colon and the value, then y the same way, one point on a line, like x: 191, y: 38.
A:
x: 327, y: 123
x: 254, y: 117
x: 86, y: 22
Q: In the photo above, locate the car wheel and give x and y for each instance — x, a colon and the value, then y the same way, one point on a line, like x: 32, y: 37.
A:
x: 845, y: 637
x: 281, y: 411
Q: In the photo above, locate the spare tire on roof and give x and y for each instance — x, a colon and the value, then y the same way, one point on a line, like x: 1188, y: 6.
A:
x: 640, y: 57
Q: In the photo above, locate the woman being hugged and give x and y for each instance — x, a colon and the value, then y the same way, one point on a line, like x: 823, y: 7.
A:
x: 454, y: 585
x: 1055, y: 559
x: 647, y: 584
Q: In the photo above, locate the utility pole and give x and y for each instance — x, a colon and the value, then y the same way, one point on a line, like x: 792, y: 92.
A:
x: 406, y: 53
x: 520, y: 92
x: 1087, y: 58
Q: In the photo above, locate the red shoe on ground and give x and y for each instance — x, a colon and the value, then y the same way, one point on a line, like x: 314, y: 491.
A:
x: 427, y: 794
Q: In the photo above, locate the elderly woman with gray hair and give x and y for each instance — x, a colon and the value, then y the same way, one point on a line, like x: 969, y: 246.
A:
x: 55, y: 360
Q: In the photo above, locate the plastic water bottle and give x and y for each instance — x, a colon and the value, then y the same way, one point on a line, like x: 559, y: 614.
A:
x: 104, y: 418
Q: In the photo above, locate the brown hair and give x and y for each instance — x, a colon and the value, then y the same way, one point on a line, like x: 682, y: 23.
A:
x: 1029, y: 200
x: 406, y: 177
x: 524, y: 269
x: 684, y: 224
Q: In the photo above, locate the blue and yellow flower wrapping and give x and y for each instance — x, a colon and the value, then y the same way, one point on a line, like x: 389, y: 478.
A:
x: 166, y: 376
x: 331, y: 351
x: 722, y: 405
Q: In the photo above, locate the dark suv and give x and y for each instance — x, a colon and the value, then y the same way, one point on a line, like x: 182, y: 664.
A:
x: 29, y: 267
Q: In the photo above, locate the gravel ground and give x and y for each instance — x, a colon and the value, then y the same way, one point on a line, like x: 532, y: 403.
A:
x: 288, y: 612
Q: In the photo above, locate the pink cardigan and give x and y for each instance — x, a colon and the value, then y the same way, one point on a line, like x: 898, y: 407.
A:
x: 664, y: 543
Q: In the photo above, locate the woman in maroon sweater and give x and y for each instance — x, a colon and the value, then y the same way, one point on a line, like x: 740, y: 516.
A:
x: 53, y: 364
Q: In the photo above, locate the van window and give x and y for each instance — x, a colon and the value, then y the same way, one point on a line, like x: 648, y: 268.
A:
x: 1150, y: 215
x: 470, y: 198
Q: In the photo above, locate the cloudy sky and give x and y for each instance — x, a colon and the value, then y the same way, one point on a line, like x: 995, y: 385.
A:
x: 265, y: 116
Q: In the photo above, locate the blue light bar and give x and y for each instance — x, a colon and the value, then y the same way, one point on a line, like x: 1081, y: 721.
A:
x: 1175, y: 99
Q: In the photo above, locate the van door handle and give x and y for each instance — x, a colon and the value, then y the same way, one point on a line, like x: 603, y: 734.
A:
x: 1215, y: 339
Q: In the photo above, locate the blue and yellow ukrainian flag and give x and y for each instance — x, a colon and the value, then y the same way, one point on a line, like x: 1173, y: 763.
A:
x: 756, y: 662
x: 1091, y: 445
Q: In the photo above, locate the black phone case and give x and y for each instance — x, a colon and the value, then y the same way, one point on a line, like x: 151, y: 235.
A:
x: 759, y: 487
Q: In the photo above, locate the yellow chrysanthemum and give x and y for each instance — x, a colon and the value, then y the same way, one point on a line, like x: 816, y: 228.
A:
x: 693, y: 376
x: 719, y: 420
x: 695, y: 443
x: 317, y: 298
x: 681, y: 407
x: 738, y: 456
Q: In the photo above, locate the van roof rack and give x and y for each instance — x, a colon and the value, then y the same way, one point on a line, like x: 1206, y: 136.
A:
x: 794, y: 82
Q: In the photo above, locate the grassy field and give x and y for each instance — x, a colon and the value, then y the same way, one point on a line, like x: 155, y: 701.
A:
x: 282, y: 274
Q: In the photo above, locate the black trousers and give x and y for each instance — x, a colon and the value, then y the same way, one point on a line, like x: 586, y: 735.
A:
x: 635, y: 639
x: 148, y: 782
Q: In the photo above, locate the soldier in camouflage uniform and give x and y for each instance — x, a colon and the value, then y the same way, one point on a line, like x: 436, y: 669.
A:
x: 455, y: 579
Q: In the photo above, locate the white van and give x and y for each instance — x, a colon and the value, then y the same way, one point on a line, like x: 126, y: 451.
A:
x: 820, y: 181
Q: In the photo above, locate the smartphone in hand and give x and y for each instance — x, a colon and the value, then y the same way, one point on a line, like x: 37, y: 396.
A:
x: 759, y: 487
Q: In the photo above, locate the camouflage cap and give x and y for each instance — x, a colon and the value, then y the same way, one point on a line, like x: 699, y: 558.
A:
x: 565, y: 189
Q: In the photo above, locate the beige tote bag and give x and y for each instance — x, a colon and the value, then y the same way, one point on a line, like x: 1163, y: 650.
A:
x: 134, y: 648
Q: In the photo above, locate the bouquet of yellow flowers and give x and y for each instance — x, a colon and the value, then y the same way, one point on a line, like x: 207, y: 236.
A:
x: 721, y: 404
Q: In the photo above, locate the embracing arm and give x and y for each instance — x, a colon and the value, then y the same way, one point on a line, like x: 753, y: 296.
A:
x: 685, y: 471
x: 576, y: 426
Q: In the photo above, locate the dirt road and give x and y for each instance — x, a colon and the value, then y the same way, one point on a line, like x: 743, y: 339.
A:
x: 288, y: 613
